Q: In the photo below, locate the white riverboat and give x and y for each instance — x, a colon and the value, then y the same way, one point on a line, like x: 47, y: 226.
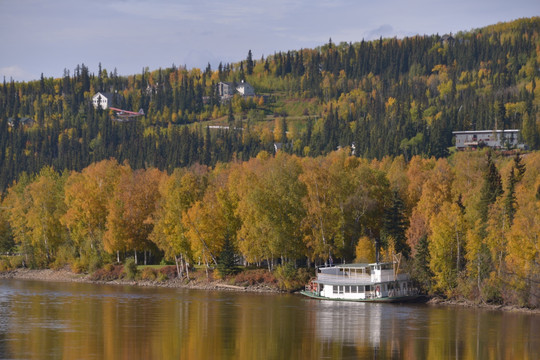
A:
x: 379, y: 282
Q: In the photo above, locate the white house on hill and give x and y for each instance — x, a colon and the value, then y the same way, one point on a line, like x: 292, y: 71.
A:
x: 103, y: 100
x: 245, y: 89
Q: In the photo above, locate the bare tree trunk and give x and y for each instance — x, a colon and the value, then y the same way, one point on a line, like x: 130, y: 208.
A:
x: 206, y: 266
x: 187, y: 266
x: 118, y: 256
x: 458, y: 265
x: 135, y: 251
x: 179, y: 272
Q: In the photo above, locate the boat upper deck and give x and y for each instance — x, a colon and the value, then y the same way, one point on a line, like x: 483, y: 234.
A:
x: 359, y: 274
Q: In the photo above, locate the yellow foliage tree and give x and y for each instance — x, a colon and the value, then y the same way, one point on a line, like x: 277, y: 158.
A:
x: 365, y: 251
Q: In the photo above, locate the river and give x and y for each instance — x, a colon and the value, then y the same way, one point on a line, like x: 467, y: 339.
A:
x: 53, y: 320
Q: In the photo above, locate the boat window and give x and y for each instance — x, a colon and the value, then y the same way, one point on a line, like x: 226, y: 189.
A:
x: 347, y: 289
x: 335, y: 289
x: 368, y: 287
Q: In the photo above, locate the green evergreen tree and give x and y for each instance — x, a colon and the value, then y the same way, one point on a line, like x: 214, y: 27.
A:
x: 491, y: 188
x: 226, y: 260
x: 421, y: 270
x: 249, y: 63
x: 516, y: 174
x: 395, y: 224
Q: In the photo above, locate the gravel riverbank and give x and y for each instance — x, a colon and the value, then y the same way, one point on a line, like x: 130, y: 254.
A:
x: 68, y: 276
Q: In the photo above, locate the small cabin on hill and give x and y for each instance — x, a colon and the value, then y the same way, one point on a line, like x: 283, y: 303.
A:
x: 25, y: 121
x: 496, y: 139
x: 103, y: 100
x: 447, y: 39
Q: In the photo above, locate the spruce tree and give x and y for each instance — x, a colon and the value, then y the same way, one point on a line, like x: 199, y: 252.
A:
x: 421, y: 271
x: 516, y: 174
x: 491, y: 189
x: 226, y: 262
x: 395, y: 224
x: 249, y: 63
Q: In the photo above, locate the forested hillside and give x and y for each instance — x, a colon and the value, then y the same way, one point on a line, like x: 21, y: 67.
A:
x: 383, y: 97
x: 365, y: 160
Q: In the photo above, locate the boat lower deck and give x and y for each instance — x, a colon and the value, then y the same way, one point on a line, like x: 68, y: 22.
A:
x: 395, y: 299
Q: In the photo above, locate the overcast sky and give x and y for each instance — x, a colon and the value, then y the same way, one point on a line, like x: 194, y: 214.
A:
x: 48, y: 36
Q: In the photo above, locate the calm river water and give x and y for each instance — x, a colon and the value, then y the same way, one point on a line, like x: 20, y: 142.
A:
x: 47, y: 320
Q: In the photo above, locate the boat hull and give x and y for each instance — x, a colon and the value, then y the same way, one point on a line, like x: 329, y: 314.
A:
x: 395, y: 299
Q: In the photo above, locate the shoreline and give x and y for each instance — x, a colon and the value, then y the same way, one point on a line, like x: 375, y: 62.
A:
x: 68, y: 276
x: 437, y: 301
x: 197, y: 284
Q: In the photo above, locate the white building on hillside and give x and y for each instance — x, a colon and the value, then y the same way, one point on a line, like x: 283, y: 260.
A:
x: 228, y: 89
x: 495, y: 139
x: 245, y: 89
x: 103, y: 100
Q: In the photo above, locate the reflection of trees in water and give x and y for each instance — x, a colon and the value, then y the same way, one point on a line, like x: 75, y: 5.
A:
x: 88, y: 321
x: 423, y: 332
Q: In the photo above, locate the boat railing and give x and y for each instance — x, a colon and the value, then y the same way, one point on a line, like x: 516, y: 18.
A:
x: 390, y: 277
x: 403, y: 292
x: 370, y: 295
x: 357, y: 277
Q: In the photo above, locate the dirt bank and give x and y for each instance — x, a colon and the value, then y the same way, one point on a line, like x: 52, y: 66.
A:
x: 471, y: 304
x: 68, y: 276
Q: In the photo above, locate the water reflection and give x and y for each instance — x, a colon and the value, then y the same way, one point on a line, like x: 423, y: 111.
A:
x: 83, y: 321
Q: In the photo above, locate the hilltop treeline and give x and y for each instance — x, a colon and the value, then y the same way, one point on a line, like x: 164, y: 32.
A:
x: 382, y: 97
x: 467, y: 225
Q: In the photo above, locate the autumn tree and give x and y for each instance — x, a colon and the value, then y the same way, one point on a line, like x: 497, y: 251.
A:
x: 177, y: 193
x: 324, y: 220
x: 365, y: 250
x: 446, y: 245
x: 6, y: 236
x: 17, y: 203
x: 245, y: 182
x: 129, y: 211
x: 209, y: 220
x: 45, y: 206
x: 271, y: 206
x: 86, y: 197
x: 523, y: 248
